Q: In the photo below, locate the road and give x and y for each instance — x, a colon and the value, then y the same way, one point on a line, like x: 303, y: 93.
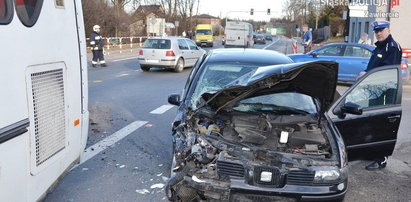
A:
x: 130, y: 122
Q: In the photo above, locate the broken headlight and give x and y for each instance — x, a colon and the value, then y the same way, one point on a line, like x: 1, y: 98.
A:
x: 330, y: 175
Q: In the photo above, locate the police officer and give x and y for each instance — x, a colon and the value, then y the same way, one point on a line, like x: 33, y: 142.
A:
x: 307, y: 38
x: 97, y: 44
x: 387, y: 52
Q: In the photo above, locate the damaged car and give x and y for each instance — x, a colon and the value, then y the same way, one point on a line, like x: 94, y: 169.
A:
x: 252, y: 125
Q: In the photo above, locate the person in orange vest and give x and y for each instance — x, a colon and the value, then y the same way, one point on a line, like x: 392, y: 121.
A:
x: 97, y: 45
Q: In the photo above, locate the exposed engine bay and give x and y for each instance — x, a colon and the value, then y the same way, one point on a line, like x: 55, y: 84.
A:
x: 210, y: 150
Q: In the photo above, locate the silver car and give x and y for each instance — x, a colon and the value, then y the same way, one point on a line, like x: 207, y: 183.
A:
x: 169, y: 52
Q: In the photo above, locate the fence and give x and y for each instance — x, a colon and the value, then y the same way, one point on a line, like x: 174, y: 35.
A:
x: 121, y: 43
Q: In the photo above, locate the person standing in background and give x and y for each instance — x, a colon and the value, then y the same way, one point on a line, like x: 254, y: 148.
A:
x: 97, y: 45
x: 307, y: 39
x: 364, y: 39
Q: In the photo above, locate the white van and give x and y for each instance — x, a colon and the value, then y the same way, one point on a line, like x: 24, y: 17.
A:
x: 238, y: 34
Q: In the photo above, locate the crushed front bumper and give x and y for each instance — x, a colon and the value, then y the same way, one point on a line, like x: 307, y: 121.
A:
x: 238, y: 189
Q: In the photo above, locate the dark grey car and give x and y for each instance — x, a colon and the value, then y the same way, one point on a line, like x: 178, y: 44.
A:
x: 254, y: 126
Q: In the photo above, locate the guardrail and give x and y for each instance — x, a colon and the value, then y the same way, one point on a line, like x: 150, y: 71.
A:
x: 120, y: 43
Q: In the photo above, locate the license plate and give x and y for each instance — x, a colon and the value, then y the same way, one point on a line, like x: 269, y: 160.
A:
x: 203, y: 43
x: 152, y: 61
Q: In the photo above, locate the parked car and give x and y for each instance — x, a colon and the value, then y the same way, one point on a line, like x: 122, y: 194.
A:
x: 169, y: 52
x: 351, y: 57
x: 259, y: 38
x: 252, y: 124
x: 268, y: 37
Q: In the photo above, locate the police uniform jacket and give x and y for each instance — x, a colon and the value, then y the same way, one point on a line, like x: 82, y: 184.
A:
x: 387, y: 52
x: 96, y: 41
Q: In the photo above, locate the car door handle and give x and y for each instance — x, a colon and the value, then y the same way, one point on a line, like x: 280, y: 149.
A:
x: 394, y: 118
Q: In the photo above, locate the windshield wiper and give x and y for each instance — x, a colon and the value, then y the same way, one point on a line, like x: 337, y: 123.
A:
x: 260, y: 107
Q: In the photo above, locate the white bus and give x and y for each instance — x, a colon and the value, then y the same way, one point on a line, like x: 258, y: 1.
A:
x: 239, y: 34
x: 43, y: 95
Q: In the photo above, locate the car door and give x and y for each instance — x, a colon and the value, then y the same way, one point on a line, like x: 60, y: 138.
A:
x: 185, y: 52
x: 354, y: 61
x: 195, y: 52
x: 372, y: 133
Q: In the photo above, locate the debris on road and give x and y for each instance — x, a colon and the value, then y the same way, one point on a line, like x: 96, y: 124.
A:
x: 158, y: 186
x: 142, y: 191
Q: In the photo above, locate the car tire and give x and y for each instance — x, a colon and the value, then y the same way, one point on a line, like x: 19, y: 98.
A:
x: 145, y: 68
x: 179, y: 65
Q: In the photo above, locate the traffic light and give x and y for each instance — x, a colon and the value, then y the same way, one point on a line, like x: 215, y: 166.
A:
x: 268, y: 11
x: 252, y: 11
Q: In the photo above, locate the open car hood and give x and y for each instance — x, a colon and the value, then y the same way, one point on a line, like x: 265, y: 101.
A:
x: 316, y: 79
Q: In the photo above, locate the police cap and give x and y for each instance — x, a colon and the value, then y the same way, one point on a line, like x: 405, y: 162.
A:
x: 380, y: 24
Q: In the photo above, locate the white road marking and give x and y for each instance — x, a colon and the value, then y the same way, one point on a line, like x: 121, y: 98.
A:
x: 278, y: 38
x: 97, y: 81
x: 161, y: 109
x: 122, y: 75
x: 118, y: 60
x: 91, y: 151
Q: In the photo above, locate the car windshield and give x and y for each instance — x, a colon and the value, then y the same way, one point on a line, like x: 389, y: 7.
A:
x: 157, y: 44
x: 217, y: 76
x: 278, y: 103
x: 203, y: 32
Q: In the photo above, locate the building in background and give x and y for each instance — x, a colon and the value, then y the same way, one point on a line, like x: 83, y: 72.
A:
x: 395, y: 12
x: 149, y: 20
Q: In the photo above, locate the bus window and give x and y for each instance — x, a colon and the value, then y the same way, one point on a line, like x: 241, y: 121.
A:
x: 28, y: 11
x: 6, y: 11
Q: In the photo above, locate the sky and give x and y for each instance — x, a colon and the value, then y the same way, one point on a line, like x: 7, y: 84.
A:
x: 223, y: 8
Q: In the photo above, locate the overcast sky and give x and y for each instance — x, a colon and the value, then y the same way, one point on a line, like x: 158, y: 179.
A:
x: 227, y: 7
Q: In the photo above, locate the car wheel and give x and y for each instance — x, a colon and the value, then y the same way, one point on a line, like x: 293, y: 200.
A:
x: 179, y: 66
x: 145, y: 68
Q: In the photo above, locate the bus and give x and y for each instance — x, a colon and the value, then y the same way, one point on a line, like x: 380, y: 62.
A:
x: 238, y: 34
x: 43, y: 95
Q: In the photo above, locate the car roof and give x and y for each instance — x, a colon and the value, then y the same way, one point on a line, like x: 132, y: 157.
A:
x: 168, y: 37
x: 351, y: 44
x: 247, y: 55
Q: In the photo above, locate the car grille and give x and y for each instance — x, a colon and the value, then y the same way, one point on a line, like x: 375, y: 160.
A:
x: 275, y: 178
x: 300, y: 177
x: 230, y: 169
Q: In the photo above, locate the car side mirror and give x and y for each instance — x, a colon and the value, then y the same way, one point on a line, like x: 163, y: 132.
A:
x: 174, y: 99
x: 351, y: 108
x: 314, y: 54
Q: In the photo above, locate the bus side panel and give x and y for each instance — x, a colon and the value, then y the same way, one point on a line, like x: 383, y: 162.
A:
x: 52, y: 40
x: 13, y: 166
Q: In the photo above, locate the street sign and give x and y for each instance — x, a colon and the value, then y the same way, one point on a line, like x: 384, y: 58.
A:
x: 297, y: 29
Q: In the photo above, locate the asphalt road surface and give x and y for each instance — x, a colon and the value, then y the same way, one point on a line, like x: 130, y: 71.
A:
x: 128, y: 155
